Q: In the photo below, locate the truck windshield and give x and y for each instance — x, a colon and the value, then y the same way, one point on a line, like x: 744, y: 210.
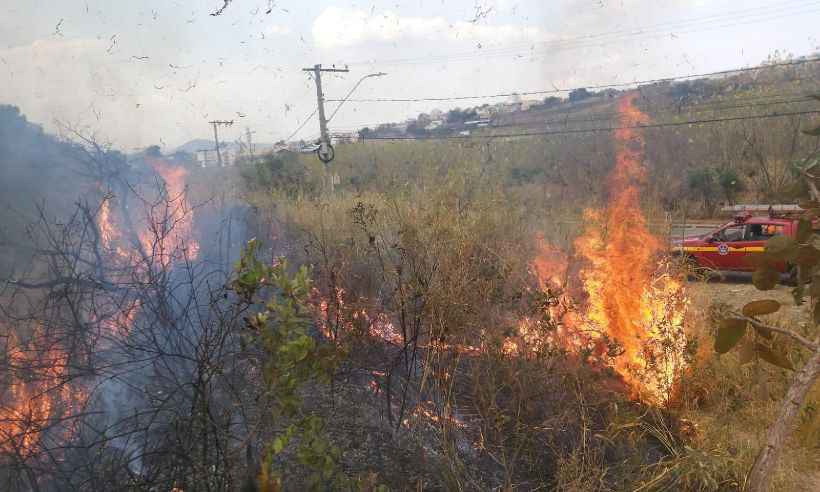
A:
x: 731, y: 233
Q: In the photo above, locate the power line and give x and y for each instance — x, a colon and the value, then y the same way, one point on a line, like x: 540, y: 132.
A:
x: 602, y: 117
x: 339, y: 106
x: 599, y: 86
x: 308, y: 118
x: 746, y: 16
x: 654, y: 111
x: 599, y: 130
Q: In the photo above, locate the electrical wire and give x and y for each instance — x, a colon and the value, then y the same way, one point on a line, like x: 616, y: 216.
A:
x: 309, y: 117
x: 598, y: 86
x: 602, y: 129
x: 749, y: 102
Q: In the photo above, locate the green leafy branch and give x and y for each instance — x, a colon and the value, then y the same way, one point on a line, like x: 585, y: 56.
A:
x: 767, y: 342
x: 293, y: 360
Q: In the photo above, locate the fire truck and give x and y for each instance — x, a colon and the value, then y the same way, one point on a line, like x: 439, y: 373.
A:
x: 733, y: 245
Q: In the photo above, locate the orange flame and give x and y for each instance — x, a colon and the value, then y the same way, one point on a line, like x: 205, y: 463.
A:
x: 629, y: 300
x: 168, y: 236
x: 38, y: 395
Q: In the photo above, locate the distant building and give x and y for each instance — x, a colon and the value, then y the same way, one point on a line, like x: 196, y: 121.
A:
x: 485, y: 112
x: 478, y: 123
x: 434, y: 125
x: 502, y: 108
x: 526, y: 105
x: 344, y: 138
x: 207, y: 158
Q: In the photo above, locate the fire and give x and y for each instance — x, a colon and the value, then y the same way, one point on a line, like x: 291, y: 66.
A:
x: 165, y: 235
x: 168, y: 235
x: 108, y: 233
x: 38, y: 394
x: 634, y: 312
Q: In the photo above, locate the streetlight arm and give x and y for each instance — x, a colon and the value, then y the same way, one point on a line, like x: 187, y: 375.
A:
x: 379, y: 74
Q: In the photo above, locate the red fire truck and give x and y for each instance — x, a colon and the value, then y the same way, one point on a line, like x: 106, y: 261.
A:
x: 731, y: 246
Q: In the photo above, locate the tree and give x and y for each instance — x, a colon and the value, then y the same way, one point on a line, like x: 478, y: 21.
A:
x: 703, y: 182
x: 365, y: 133
x: 768, y: 342
x: 579, y: 95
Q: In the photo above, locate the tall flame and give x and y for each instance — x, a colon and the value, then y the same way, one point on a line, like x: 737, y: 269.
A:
x: 630, y: 300
x: 37, y: 393
x: 168, y: 236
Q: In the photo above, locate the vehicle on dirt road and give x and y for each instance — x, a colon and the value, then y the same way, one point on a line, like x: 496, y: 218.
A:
x: 734, y: 245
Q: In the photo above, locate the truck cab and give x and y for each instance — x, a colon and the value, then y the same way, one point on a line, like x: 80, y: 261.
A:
x: 734, y: 245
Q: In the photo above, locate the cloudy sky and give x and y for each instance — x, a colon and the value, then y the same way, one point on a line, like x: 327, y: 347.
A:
x: 147, y: 72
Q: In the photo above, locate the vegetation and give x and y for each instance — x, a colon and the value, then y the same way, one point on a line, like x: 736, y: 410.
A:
x: 397, y: 322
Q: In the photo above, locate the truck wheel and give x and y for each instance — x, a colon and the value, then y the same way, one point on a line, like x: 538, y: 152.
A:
x: 791, y: 276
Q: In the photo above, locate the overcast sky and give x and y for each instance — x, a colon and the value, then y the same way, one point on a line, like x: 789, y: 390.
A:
x: 148, y: 72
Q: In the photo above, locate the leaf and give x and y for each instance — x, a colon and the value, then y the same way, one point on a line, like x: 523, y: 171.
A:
x: 730, y: 332
x: 814, y: 288
x: 763, y: 331
x: 816, y: 313
x: 776, y: 358
x: 757, y: 308
x: 781, y: 248
x: 765, y: 278
x: 746, y: 353
x: 279, y: 443
x: 814, y: 132
x: 807, y: 256
x: 804, y: 230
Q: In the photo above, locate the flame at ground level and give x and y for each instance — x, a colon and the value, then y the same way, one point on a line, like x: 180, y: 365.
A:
x: 37, y: 394
x: 631, y: 311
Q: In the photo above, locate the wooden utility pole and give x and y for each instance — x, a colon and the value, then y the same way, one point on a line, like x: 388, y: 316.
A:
x: 248, y: 134
x: 216, y: 124
x: 325, y: 151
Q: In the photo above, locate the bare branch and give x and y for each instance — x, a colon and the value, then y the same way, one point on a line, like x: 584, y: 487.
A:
x: 813, y: 346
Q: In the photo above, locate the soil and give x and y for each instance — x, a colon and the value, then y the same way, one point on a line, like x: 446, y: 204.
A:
x: 736, y: 289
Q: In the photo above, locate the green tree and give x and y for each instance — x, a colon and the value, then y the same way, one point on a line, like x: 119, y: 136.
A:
x: 779, y: 345
x: 703, y: 183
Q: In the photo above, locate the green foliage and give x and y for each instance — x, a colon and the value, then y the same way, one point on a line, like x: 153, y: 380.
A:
x: 282, y: 172
x: 757, y: 308
x: 765, y: 277
x: 730, y: 332
x: 703, y: 183
x: 814, y: 132
x: 294, y: 360
x: 781, y: 248
x: 766, y: 353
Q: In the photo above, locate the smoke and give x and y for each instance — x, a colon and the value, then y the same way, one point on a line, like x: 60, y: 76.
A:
x: 149, y: 329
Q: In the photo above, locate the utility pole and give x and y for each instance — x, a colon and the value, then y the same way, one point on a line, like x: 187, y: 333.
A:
x: 325, y: 150
x: 248, y: 134
x: 216, y: 124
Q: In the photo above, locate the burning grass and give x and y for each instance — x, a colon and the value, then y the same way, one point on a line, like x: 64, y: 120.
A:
x: 620, y: 307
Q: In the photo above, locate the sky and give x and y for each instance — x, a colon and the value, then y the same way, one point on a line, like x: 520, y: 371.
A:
x: 154, y: 72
